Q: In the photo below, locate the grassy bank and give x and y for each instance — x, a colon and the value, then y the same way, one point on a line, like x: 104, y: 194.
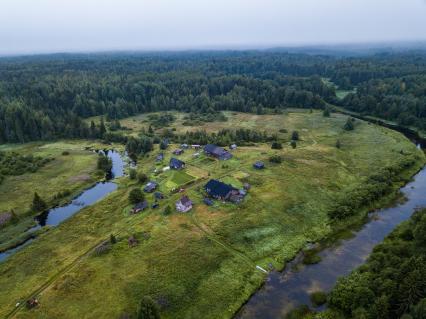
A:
x: 202, y: 264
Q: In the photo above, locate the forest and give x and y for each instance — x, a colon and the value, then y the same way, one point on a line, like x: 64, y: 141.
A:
x: 392, y: 284
x: 49, y: 96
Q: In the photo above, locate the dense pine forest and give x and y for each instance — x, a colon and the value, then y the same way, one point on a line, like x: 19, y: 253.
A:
x: 47, y: 97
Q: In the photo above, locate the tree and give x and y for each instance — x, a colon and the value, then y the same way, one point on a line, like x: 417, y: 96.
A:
x: 132, y: 173
x: 326, y: 112
x: 419, y: 231
x: 167, y: 210
x: 102, y: 128
x: 276, y: 146
x: 295, y: 136
x: 338, y: 144
x: 349, y: 125
x: 142, y: 178
x: 148, y: 309
x: 136, y: 196
x: 112, y: 239
x: 104, y: 163
x: 38, y: 204
x: 293, y: 144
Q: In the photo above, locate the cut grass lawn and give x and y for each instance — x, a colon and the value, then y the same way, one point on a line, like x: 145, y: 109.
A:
x: 202, y: 264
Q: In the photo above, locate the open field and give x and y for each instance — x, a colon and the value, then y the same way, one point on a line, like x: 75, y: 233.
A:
x: 73, y: 172
x: 201, y: 264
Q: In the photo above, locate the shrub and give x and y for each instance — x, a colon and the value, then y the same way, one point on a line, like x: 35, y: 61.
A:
x: 275, y: 159
x: 338, y: 144
x: 136, y: 196
x: 295, y: 136
x: 276, y: 146
x: 142, y: 178
x: 167, y: 210
x: 349, y: 125
x: 148, y: 309
x: 65, y: 153
x: 293, y: 144
x: 326, y: 112
x: 318, y: 298
x: 283, y: 130
x: 132, y: 173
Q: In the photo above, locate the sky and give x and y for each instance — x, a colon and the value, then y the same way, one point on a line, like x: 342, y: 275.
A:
x: 40, y: 26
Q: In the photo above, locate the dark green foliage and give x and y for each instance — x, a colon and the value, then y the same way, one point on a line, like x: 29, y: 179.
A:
x: 160, y: 121
x: 326, y: 112
x: 224, y: 137
x: 167, y: 210
x: 349, y: 125
x: 12, y: 163
x: 375, y: 187
x: 318, y: 298
x: 65, y: 153
x: 112, y: 239
x: 299, y: 313
x: 148, y: 309
x: 338, y: 144
x: 276, y: 146
x: 393, y: 281
x: 38, y: 204
x: 295, y: 136
x: 276, y: 159
x: 139, y: 146
x: 293, y: 144
x: 132, y: 173
x: 136, y: 196
x: 104, y: 163
x: 142, y: 177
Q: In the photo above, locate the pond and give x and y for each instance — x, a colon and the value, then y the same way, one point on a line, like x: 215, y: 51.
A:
x: 57, y: 215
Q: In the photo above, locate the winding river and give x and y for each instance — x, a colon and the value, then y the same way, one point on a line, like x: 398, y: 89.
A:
x: 284, y: 291
x: 57, y: 215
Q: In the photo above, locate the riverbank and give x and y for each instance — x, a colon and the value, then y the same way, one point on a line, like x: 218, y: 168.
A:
x: 338, y: 253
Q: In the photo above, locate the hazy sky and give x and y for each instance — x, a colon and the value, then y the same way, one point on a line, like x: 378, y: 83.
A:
x: 74, y: 25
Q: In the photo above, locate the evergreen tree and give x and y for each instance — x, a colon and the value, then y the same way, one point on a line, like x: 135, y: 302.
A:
x: 148, y: 309
x: 295, y: 135
x: 102, y: 128
x: 349, y: 125
x: 38, y: 204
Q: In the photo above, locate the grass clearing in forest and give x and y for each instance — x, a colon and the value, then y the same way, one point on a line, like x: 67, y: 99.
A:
x: 201, y: 264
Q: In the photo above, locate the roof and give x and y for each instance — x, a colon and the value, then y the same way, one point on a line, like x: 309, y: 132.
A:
x: 208, y: 201
x: 217, y: 151
x: 158, y: 195
x: 185, y: 201
x: 259, y: 164
x: 141, y: 205
x: 174, y: 162
x: 150, y: 186
x: 217, y: 188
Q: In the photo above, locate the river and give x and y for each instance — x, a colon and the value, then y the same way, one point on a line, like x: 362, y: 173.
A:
x: 57, y: 215
x: 284, y: 291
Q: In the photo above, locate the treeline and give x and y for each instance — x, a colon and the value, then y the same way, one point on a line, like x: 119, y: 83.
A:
x: 392, y: 284
x: 224, y: 137
x: 47, y: 97
x: 12, y: 163
x: 373, y: 188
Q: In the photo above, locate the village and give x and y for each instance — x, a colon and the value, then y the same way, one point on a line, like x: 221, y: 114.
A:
x: 189, y: 165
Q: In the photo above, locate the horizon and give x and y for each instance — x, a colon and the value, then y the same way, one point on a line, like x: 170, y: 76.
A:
x: 28, y: 28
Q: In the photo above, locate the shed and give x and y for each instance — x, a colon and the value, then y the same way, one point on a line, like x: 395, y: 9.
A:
x: 259, y: 165
x: 150, y: 187
x: 178, y: 151
x: 140, y: 207
x: 176, y: 164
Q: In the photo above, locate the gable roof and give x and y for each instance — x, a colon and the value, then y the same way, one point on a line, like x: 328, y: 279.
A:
x: 141, y: 205
x: 185, y: 201
x: 174, y: 162
x: 217, y: 188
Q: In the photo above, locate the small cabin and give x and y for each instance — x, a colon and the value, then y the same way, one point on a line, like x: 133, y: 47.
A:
x: 150, y: 187
x: 176, y: 164
x: 140, y: 207
x: 222, y: 191
x: 233, y: 146
x: 217, y: 152
x: 196, y: 146
x: 158, y: 195
x: 259, y: 165
x: 178, y: 151
x: 184, y: 204
x: 159, y: 157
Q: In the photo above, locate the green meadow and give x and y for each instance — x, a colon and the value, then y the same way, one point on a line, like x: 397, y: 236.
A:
x: 201, y: 264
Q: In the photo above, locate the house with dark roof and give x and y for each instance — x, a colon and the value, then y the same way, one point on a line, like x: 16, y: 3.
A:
x: 158, y: 195
x: 184, y: 204
x: 178, y: 151
x: 222, y: 191
x: 140, y: 207
x: 259, y: 165
x: 217, y: 151
x: 150, y: 187
x: 176, y: 164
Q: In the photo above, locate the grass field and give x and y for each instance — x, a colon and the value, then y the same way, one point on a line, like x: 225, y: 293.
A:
x: 201, y: 264
x: 72, y: 172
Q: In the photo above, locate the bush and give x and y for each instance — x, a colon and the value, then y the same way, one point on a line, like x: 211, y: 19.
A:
x: 136, y: 196
x: 167, y: 210
x: 142, y: 178
x: 295, y: 136
x: 132, y: 173
x: 318, y: 298
x: 275, y: 159
x: 112, y: 239
x: 283, y: 130
x: 65, y: 153
x: 349, y: 125
x: 276, y: 146
x: 338, y: 144
x: 326, y: 112
x: 148, y: 309
x: 293, y: 144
